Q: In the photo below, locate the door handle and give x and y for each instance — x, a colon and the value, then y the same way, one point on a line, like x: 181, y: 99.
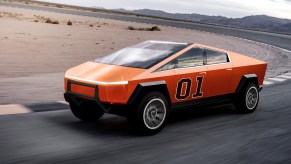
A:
x: 202, y: 73
x: 228, y: 69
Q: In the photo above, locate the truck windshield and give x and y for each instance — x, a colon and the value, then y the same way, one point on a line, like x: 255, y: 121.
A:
x: 142, y: 55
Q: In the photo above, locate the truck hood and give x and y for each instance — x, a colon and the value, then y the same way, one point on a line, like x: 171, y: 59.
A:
x: 98, y: 73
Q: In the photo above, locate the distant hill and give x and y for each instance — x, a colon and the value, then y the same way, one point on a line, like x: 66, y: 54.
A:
x: 98, y: 7
x: 255, y: 22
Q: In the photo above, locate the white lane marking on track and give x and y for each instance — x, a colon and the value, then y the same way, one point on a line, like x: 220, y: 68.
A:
x: 63, y: 102
x: 284, y: 76
x: 276, y: 79
x: 13, y: 109
x: 267, y: 82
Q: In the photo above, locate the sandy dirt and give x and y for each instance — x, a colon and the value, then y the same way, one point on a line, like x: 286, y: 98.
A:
x: 34, y: 55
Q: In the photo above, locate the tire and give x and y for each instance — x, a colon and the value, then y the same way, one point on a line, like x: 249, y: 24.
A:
x: 149, y: 115
x: 86, y: 112
x: 248, y: 99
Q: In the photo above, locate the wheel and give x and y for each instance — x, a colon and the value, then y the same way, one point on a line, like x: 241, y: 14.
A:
x: 86, y: 112
x: 148, y: 116
x: 247, y: 101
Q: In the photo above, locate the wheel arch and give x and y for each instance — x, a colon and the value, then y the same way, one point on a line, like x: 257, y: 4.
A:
x: 143, y: 88
x: 246, y: 79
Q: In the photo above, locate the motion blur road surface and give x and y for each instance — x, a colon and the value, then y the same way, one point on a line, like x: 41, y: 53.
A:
x: 283, y: 41
x: 211, y: 135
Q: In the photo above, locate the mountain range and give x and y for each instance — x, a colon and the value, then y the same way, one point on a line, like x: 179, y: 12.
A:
x: 254, y: 22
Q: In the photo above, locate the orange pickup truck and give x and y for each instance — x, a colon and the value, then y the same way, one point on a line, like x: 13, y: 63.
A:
x: 145, y: 81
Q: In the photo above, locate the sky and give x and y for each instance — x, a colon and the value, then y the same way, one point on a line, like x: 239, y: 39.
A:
x: 228, y: 8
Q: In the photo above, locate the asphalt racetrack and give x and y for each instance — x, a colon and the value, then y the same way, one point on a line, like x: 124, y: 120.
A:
x: 215, y: 134
x: 211, y: 135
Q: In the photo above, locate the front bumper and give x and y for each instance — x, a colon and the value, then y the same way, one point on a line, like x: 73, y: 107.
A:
x: 78, y: 98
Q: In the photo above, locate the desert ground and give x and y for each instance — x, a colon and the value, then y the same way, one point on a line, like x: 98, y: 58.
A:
x: 34, y: 55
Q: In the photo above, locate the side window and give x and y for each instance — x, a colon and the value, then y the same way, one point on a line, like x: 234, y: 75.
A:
x: 168, y: 66
x: 191, y: 58
x: 215, y: 57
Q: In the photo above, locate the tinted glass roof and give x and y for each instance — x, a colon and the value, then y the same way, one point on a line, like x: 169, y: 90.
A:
x: 142, y: 55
